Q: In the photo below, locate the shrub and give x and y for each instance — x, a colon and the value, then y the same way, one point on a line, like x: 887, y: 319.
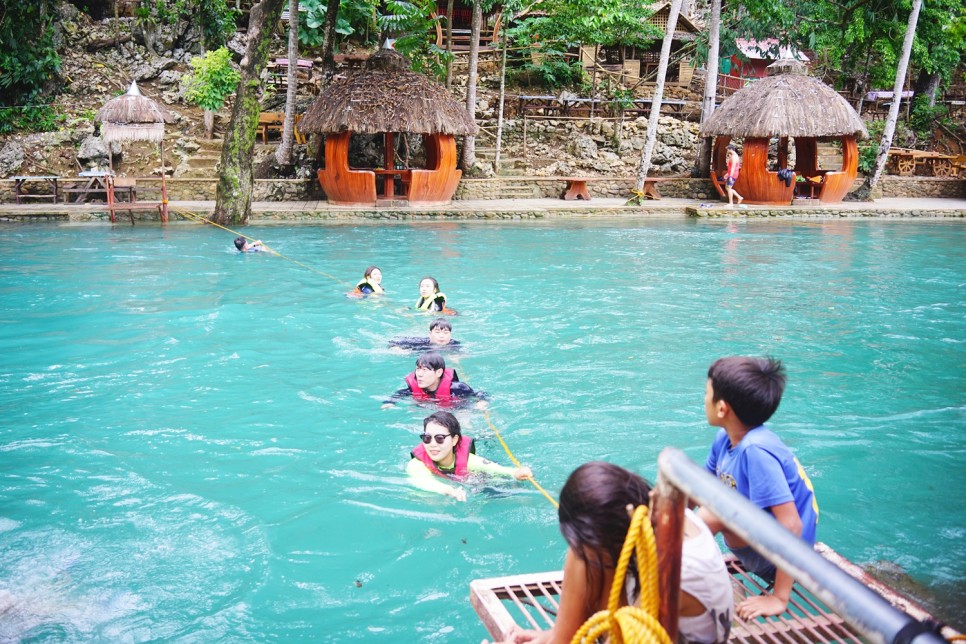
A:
x: 211, y: 79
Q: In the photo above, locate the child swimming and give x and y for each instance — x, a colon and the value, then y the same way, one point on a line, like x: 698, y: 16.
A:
x: 430, y: 297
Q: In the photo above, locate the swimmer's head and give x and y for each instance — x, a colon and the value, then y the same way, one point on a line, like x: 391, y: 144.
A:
x: 373, y: 274
x: 429, y: 370
x: 240, y: 243
x: 428, y: 286
x: 442, y: 423
x: 751, y: 387
x: 440, y: 332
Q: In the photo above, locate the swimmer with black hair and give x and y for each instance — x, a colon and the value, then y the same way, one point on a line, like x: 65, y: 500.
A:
x: 440, y: 338
x: 370, y: 284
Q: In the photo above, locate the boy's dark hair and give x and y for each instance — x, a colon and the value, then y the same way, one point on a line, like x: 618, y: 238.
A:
x: 446, y: 419
x: 239, y: 242
x: 752, y: 387
x: 440, y: 323
x: 431, y: 360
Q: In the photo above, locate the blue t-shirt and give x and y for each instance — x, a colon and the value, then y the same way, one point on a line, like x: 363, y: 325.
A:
x: 764, y: 470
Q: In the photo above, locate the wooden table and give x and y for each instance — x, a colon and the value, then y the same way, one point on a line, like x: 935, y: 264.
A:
x: 93, y: 182
x: 50, y: 179
x: 906, y: 162
x: 576, y: 188
x: 389, y: 181
x: 650, y: 188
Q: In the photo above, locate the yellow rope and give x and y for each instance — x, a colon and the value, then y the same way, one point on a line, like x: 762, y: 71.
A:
x: 513, y: 458
x: 187, y: 214
x: 631, y: 623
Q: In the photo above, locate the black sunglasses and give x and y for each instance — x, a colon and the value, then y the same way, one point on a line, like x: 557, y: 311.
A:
x: 439, y: 438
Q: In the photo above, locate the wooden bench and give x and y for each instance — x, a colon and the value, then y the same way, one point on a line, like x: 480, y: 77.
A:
x: 576, y: 188
x: 650, y: 187
x: 20, y: 193
x: 275, y: 122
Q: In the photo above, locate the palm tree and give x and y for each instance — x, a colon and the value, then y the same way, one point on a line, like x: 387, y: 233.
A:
x: 703, y: 161
x: 865, y: 192
x: 672, y: 21
x: 283, y: 155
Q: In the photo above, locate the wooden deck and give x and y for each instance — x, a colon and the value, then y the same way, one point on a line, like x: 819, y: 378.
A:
x: 530, y: 601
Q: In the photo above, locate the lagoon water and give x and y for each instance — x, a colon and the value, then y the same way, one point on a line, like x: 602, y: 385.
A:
x: 192, y: 445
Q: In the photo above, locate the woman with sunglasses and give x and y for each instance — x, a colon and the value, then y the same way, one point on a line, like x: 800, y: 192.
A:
x: 446, y: 453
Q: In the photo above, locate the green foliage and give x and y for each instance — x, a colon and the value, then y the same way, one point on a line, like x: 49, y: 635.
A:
x: 211, y: 79
x: 574, y: 22
x: 552, y: 73
x: 217, y: 22
x: 355, y: 17
x: 34, y: 118
x: 28, y: 58
x: 416, y: 29
x: 924, y: 119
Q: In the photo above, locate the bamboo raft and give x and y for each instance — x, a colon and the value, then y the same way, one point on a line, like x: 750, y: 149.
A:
x: 864, y: 609
x: 530, y: 601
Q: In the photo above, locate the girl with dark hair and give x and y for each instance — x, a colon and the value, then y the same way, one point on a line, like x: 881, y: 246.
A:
x: 430, y: 297
x: 595, y: 510
x: 370, y: 284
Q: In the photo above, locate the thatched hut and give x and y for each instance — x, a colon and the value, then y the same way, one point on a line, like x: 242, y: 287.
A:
x: 387, y: 98
x: 134, y: 117
x: 786, y: 105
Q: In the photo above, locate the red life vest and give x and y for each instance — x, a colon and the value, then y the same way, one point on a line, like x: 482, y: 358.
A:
x: 462, y: 458
x: 443, y: 395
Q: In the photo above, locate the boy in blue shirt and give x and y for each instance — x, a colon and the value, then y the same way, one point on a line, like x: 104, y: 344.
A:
x: 740, y: 395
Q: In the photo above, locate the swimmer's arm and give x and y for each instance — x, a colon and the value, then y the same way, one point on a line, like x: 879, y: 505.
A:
x: 396, y: 397
x: 477, y: 463
x: 421, y: 477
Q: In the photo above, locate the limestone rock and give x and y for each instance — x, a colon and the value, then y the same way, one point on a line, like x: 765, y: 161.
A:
x: 11, y: 158
x: 582, y: 146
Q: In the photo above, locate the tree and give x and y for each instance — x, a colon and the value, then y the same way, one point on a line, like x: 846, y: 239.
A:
x: 211, y: 80
x: 868, y: 186
x: 233, y: 201
x: 672, y: 21
x: 469, y: 141
x: 283, y: 155
x: 703, y: 160
x: 29, y: 65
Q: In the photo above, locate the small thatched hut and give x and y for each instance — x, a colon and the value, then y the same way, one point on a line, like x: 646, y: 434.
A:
x: 387, y: 98
x: 786, y: 105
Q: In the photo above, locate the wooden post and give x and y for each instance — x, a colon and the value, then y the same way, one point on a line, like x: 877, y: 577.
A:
x: 668, y: 521
x: 164, y: 190
x: 389, y: 155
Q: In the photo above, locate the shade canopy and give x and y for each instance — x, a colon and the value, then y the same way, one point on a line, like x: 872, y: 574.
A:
x: 131, y: 117
x: 788, y: 103
x: 387, y: 97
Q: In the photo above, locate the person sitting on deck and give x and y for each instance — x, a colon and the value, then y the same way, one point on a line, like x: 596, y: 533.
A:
x: 430, y: 297
x: 445, y: 452
x: 433, y: 382
x: 244, y: 247
x: 742, y: 393
x: 370, y: 284
x: 596, y: 505
x: 440, y: 337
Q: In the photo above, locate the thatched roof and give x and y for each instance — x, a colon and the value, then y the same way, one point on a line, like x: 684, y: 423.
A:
x: 788, y: 103
x: 387, y: 97
x: 131, y: 117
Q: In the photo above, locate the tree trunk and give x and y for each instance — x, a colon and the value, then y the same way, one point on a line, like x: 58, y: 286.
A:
x: 449, y: 44
x: 469, y: 142
x: 865, y: 191
x: 703, y: 160
x: 328, y: 42
x: 672, y: 21
x: 499, y: 119
x: 283, y: 155
x: 209, y: 120
x: 927, y: 85
x: 233, y: 201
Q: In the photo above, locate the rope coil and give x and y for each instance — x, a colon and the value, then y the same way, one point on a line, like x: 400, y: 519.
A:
x: 631, y: 623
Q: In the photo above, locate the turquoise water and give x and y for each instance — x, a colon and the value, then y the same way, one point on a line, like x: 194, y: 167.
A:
x: 193, y: 447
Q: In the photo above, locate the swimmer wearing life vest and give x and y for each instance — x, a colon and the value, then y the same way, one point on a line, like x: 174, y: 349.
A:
x: 370, y: 284
x: 432, y: 382
x: 446, y: 453
x: 242, y: 245
x: 440, y: 338
x: 431, y: 299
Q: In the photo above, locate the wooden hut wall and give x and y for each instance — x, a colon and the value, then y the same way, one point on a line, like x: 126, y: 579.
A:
x: 340, y: 184
x: 836, y: 184
x: 438, y: 182
x: 756, y: 183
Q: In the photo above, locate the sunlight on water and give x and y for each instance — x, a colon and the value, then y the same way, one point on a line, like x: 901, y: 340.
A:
x: 194, y: 446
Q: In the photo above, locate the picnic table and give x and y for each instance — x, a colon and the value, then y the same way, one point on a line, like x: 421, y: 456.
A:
x: 278, y: 71
x: 905, y: 163
x: 91, y: 183
x: 49, y: 179
x: 269, y: 122
x: 576, y: 188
